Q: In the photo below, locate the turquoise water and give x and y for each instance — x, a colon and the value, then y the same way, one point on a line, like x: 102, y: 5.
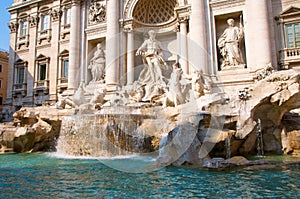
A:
x: 44, y: 176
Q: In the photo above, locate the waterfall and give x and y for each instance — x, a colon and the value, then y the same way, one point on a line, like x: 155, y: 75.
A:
x: 103, y: 135
x: 260, y: 144
x: 227, y: 146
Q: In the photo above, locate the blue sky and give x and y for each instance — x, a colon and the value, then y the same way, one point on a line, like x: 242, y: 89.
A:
x: 4, y: 20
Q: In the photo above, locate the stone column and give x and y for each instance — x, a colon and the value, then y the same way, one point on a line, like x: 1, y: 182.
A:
x: 183, y: 46
x: 257, y: 34
x: 83, y: 45
x: 33, y: 28
x: 52, y: 74
x: 74, y: 53
x: 130, y: 57
x: 198, y: 49
x: 112, y: 43
x: 11, y: 62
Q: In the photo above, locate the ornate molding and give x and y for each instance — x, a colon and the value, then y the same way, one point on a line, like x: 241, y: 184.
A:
x: 55, y: 14
x: 33, y: 21
x: 127, y: 25
x: 222, y: 4
x: 13, y: 26
x: 95, y: 30
x: 76, y: 2
x: 183, y: 13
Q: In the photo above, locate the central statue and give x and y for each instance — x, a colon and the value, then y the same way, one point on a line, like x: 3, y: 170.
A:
x: 151, y: 81
x: 152, y: 57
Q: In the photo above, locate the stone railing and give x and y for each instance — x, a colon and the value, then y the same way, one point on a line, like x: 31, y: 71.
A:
x: 20, y: 89
x: 41, y: 86
x: 290, y: 53
x: 62, y: 80
x: 41, y: 83
x: 62, y: 84
x: 44, y: 34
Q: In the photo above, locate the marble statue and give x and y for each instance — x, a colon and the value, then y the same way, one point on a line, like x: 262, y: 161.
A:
x: 175, y: 95
x: 228, y: 44
x: 152, y: 57
x: 97, y: 64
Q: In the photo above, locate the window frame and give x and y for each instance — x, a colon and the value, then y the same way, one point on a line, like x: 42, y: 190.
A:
x: 40, y: 61
x: 20, y: 64
x: 23, y: 28
x: 293, y: 34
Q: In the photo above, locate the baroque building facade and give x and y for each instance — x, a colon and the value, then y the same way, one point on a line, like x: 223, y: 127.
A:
x: 53, y: 42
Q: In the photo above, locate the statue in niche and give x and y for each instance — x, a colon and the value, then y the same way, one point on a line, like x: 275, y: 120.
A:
x: 152, y: 57
x: 151, y: 77
x: 229, y: 45
x: 97, y: 13
x: 97, y: 64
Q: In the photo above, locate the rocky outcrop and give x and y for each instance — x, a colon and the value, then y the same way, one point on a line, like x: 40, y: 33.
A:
x: 209, y: 126
x: 35, y: 129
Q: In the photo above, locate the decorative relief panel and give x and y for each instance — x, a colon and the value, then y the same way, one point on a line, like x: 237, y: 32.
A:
x: 97, y: 12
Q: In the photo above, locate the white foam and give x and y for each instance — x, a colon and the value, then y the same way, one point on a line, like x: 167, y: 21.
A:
x: 121, y: 157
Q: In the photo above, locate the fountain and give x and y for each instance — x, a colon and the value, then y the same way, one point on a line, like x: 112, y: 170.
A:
x: 177, y: 117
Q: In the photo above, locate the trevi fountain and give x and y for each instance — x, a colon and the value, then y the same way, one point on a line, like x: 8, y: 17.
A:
x: 168, y: 134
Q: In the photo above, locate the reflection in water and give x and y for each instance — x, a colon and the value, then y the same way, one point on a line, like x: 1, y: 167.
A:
x: 40, y: 175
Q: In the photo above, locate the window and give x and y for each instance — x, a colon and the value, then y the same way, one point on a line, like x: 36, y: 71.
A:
x: 1, y: 100
x: 0, y: 68
x: 45, y: 22
x: 20, y: 74
x: 65, y: 68
x: 42, y: 66
x: 0, y: 83
x: 23, y: 28
x: 292, y: 32
x: 68, y: 17
x: 42, y: 72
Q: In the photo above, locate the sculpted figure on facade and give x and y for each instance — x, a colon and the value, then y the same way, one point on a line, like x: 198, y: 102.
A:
x: 97, y: 13
x: 97, y: 64
x: 229, y: 45
x: 152, y: 57
x: 175, y: 95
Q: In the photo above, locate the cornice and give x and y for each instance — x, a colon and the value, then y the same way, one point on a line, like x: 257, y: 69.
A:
x: 225, y: 3
x: 22, y: 5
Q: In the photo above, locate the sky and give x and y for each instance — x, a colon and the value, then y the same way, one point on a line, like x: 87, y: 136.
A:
x: 4, y: 20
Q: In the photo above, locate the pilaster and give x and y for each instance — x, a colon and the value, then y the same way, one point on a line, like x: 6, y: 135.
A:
x: 198, y: 47
x: 257, y: 34
x: 112, y: 43
x: 74, y: 56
